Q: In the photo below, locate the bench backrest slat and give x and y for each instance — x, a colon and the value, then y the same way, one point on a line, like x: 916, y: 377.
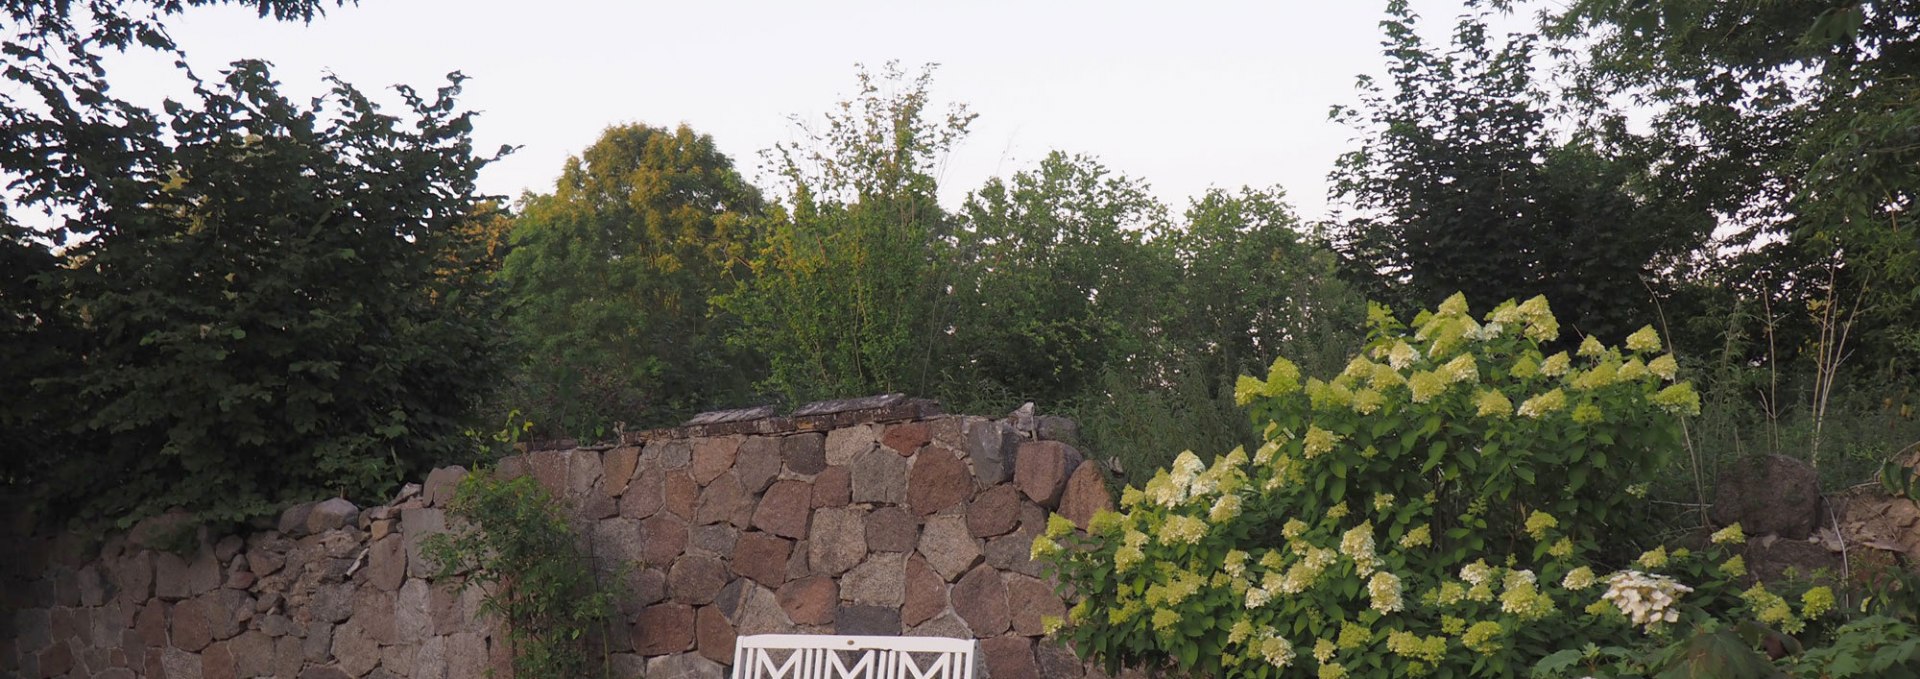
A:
x: 822, y: 656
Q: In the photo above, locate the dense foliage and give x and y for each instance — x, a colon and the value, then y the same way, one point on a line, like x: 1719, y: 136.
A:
x: 610, y: 277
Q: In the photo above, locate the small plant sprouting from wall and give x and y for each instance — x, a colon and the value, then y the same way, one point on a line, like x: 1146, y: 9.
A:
x: 516, y: 545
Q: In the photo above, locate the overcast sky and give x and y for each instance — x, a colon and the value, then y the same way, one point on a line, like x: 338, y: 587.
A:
x: 1186, y: 95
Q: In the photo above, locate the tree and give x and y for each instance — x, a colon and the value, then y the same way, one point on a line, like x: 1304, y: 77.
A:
x: 1460, y: 186
x: 610, y: 277
x: 848, y: 292
x: 266, y: 304
x: 1059, y: 272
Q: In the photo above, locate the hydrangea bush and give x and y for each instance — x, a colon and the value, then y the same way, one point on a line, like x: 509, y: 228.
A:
x: 1430, y: 511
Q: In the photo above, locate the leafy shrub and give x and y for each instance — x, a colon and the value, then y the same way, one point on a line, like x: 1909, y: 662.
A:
x: 517, y: 546
x: 1403, y: 518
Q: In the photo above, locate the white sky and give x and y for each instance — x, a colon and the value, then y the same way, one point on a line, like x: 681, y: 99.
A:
x: 1186, y: 95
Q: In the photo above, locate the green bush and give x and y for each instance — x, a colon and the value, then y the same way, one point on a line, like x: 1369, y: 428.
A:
x: 1403, y: 518
x: 515, y: 544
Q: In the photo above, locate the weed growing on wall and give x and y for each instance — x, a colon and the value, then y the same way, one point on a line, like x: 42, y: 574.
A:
x: 514, y: 543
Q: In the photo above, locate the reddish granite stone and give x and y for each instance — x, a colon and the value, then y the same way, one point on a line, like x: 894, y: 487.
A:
x: 682, y: 494
x: 761, y: 557
x: 784, y: 509
x: 663, y: 628
x: 713, y: 636
x: 1010, y: 657
x: 810, y: 600
x: 981, y: 599
x: 1040, y: 469
x: 995, y: 511
x: 1085, y: 495
x: 906, y: 437
x: 713, y: 457
x: 926, y: 592
x: 832, y: 487
x: 938, y: 481
x: 1036, y: 602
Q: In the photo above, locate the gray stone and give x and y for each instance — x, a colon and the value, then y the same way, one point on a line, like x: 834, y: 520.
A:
x: 1014, y: 551
x: 757, y: 462
x: 170, y: 577
x: 878, y: 621
x: 715, y: 540
x: 252, y: 654
x: 725, y: 501
x: 355, y: 652
x: 412, y: 617
x: 1056, y: 661
x: 583, y: 475
x: 466, y: 656
x: 93, y: 588
x: 629, y: 666
x: 696, y: 579
x: 332, y: 603
x: 1009, y: 657
x: 990, y: 446
x: 684, y: 666
x: 837, y: 542
x: 668, y: 453
x: 948, y: 546
x: 946, y: 624
x: 132, y: 576
x: 1769, y: 494
x: 332, y: 514
x: 646, y: 494
x: 879, y: 477
x: 316, y: 641
x: 387, y: 563
x: 713, y: 457
x: 804, y: 454
x: 1056, y: 428
x: 549, y: 468
x: 846, y: 444
x: 293, y: 520
x: 178, y: 663
x: 892, y: 529
x: 880, y: 581
x: 430, y: 659
x: 442, y: 483
x: 759, y: 612
x: 415, y: 525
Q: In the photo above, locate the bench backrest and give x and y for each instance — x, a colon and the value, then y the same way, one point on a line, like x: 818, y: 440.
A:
x: 825, y: 656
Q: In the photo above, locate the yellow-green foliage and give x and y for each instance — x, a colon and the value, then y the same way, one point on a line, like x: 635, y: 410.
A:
x: 1424, y: 513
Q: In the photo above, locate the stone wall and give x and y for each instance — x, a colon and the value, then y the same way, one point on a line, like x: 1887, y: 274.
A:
x: 870, y: 516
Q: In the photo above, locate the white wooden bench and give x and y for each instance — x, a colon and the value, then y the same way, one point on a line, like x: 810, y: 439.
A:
x: 826, y: 656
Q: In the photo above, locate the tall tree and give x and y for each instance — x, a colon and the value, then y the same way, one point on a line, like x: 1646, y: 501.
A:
x: 1459, y: 185
x: 1796, y: 122
x: 266, y: 305
x: 849, y: 284
x: 1060, y: 277
x: 610, y: 277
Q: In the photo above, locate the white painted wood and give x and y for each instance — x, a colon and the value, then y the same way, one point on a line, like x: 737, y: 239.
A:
x: 826, y: 656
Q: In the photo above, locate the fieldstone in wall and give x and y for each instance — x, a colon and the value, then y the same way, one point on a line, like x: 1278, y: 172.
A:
x: 1010, y: 657
x: 441, y: 485
x: 1034, y: 601
x: 837, y: 542
x: 696, y: 579
x: 846, y: 444
x: 804, y: 454
x: 713, y: 457
x: 663, y: 628
x: 1085, y: 495
x: 761, y: 557
x: 758, y: 462
x: 892, y: 529
x: 725, y: 500
x: 784, y: 508
x: 926, y: 592
x: 880, y: 581
x: 682, y: 494
x: 906, y: 437
x: 947, y: 624
x: 669, y: 454
x: 620, y: 464
x: 645, y: 494
x: 879, y: 477
x: 948, y: 546
x: 810, y: 600
x: 832, y: 487
x: 1041, y: 469
x: 415, y: 525
x: 991, y: 446
x: 713, y: 636
x: 715, y: 540
x: 981, y: 599
x: 995, y: 511
x: 867, y: 621
x: 684, y: 666
x: 662, y: 537
x: 938, y: 481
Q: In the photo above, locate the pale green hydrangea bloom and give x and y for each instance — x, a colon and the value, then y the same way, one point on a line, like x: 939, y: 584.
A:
x: 1483, y: 637
x: 1664, y: 366
x: 1590, y: 346
x: 1319, y: 441
x: 1578, y: 579
x: 1732, y: 535
x: 1644, y: 340
x: 1493, y: 403
x: 1543, y: 404
x: 1384, y: 591
x: 1556, y: 365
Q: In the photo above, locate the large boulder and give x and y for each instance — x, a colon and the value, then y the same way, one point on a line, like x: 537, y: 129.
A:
x: 1769, y: 494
